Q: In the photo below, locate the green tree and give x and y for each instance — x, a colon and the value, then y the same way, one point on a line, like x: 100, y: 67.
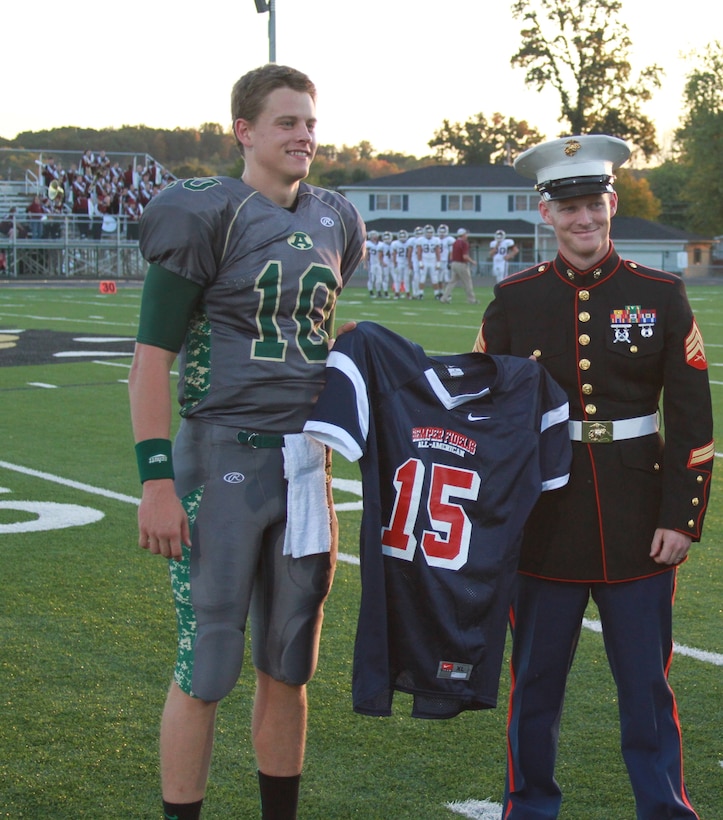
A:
x: 635, y: 197
x: 580, y: 49
x: 667, y: 182
x: 700, y: 140
x: 482, y: 142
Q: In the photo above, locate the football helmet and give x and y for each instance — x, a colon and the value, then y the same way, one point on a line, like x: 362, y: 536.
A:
x: 443, y: 230
x: 386, y: 236
x: 428, y: 230
x: 403, y: 235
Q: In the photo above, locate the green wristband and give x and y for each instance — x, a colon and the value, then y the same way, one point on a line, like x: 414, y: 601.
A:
x: 154, y: 459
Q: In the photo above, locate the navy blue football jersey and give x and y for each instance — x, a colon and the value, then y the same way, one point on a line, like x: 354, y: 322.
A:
x: 454, y: 451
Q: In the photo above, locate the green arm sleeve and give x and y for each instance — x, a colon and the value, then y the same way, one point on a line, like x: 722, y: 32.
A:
x: 166, y: 307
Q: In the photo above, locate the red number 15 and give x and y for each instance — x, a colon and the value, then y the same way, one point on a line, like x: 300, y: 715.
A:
x: 447, y: 545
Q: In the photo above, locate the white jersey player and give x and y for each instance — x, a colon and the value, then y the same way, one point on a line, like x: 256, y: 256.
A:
x: 445, y: 251
x: 502, y: 249
x: 386, y: 244
x: 413, y: 258
x: 401, y: 270
x: 428, y: 250
x: 374, y: 252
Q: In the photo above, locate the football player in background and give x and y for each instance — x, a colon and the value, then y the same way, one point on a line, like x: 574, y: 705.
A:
x: 502, y: 249
x: 428, y: 253
x: 243, y: 277
x: 387, y: 265
x: 401, y: 279
x: 413, y: 256
x: 445, y: 248
x: 374, y: 256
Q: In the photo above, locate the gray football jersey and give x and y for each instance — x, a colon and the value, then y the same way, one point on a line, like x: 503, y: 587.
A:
x: 255, y: 350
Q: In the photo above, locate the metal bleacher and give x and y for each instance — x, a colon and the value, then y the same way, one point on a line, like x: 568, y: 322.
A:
x: 69, y: 245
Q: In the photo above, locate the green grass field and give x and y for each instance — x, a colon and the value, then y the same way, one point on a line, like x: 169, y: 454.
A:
x: 87, y: 629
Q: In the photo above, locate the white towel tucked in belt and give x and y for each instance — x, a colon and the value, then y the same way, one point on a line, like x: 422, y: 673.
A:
x: 307, y: 511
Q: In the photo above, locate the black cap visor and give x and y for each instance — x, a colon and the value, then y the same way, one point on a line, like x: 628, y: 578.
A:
x: 576, y: 186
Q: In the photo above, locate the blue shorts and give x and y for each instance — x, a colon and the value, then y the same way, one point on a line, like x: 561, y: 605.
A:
x: 235, y: 498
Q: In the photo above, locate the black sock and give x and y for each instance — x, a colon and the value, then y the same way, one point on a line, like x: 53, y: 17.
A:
x: 279, y: 796
x: 182, y: 811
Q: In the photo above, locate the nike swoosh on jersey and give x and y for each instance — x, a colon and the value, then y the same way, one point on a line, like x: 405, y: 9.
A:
x: 472, y: 417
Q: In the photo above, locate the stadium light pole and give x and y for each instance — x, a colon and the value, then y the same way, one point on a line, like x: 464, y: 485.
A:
x: 262, y: 6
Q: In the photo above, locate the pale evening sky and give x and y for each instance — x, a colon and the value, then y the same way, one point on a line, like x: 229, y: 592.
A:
x: 386, y: 72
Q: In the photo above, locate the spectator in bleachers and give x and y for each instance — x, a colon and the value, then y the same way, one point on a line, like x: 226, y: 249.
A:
x: 36, y: 211
x: 145, y: 189
x: 88, y: 164
x: 56, y: 211
x: 12, y: 227
x: 81, y: 206
x: 132, y: 210
x: 50, y: 171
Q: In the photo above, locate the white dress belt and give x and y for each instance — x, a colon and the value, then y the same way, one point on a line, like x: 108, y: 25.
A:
x: 602, y: 432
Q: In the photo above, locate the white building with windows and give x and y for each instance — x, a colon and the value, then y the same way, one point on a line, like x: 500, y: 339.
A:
x: 487, y: 198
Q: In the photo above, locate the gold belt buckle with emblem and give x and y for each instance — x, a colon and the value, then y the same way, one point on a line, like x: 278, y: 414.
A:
x: 597, y: 432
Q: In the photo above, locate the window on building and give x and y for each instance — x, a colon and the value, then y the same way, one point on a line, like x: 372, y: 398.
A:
x: 389, y: 202
x: 524, y: 202
x: 461, y: 202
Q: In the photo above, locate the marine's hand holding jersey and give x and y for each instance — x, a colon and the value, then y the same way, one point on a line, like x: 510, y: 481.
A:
x: 454, y: 452
x: 614, y: 338
x: 262, y: 367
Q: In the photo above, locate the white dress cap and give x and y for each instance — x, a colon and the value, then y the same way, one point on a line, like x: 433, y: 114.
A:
x: 573, y: 166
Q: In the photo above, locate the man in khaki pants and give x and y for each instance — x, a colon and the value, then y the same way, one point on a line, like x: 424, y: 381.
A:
x: 461, y: 261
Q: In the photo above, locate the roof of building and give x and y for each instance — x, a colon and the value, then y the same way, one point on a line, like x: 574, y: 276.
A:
x: 449, y: 176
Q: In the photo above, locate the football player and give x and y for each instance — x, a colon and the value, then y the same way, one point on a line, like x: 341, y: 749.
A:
x: 428, y: 253
x: 502, y: 249
x: 401, y: 280
x: 445, y: 249
x: 243, y: 277
x: 387, y: 264
x: 374, y: 252
x: 413, y: 258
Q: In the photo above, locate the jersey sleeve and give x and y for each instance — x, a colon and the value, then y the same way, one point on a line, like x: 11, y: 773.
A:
x: 167, y: 304
x: 340, y: 418
x: 555, y: 448
x: 180, y: 229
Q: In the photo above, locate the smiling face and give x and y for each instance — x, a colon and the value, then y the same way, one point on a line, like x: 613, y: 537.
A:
x: 582, y: 226
x: 280, y: 143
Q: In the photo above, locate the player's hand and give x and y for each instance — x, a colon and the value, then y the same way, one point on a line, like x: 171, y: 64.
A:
x: 669, y: 546
x: 345, y: 328
x: 162, y: 522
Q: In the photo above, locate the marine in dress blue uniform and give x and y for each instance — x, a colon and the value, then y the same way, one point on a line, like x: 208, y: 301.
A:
x: 615, y: 335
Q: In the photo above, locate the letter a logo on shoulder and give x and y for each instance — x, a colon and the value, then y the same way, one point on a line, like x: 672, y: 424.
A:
x: 301, y: 241
x: 694, y: 349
